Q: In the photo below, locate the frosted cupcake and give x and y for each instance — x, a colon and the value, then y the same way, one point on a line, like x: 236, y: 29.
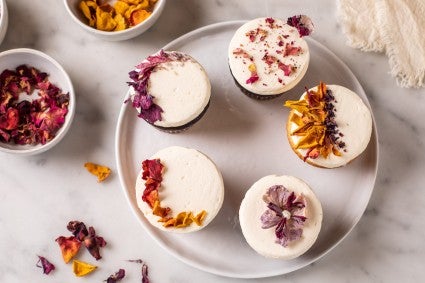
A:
x: 329, y: 126
x: 179, y: 190
x: 268, y: 56
x: 170, y: 90
x: 280, y: 217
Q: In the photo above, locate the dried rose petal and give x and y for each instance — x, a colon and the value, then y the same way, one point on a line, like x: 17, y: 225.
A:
x: 291, y: 50
x: 93, y: 243
x: 144, y: 270
x: 78, y: 229
x: 88, y: 237
x: 152, y: 168
x: 45, y: 264
x: 10, y: 119
x: 69, y: 247
x: 287, y: 69
x: 302, y: 23
x: 142, y: 100
x: 30, y: 121
x: 120, y: 274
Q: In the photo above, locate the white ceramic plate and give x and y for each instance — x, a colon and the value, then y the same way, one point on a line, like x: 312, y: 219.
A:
x: 247, y: 140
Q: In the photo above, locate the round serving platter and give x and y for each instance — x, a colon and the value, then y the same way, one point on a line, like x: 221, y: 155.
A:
x: 246, y: 138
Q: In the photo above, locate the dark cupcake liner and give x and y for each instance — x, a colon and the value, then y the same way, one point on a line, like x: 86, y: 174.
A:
x: 178, y: 129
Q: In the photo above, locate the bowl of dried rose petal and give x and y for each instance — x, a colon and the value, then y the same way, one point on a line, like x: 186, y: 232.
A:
x: 37, y: 102
x: 115, y: 20
x: 4, y: 19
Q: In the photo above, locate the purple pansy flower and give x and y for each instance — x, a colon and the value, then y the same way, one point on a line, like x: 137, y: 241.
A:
x: 286, y: 212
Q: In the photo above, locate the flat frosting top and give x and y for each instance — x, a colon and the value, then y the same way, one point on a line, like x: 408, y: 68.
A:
x: 263, y: 240
x: 191, y: 182
x: 277, y: 51
x: 354, y: 122
x: 181, y: 89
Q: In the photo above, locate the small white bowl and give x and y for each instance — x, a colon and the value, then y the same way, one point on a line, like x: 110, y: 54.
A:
x: 13, y: 58
x: 4, y: 19
x: 78, y: 17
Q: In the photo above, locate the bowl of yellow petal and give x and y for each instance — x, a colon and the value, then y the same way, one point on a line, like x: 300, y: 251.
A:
x: 115, y: 20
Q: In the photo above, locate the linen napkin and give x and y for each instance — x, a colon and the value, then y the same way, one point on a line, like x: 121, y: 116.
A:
x: 396, y: 27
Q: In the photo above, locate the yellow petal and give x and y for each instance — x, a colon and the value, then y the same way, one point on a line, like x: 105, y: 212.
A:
x: 104, y: 20
x: 81, y: 268
x: 86, y: 10
x: 102, y: 172
x: 121, y: 7
x: 199, y: 218
x: 121, y: 22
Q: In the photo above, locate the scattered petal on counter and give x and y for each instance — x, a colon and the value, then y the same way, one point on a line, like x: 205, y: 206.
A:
x: 101, y: 172
x: 45, y: 264
x: 93, y: 243
x: 144, y: 270
x: 87, y: 236
x: 120, y: 274
x: 69, y: 247
x: 81, y: 268
x: 78, y: 229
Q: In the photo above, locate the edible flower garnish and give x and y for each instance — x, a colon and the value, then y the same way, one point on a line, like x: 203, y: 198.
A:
x: 122, y: 15
x: 302, y: 23
x: 81, y: 235
x: 152, y: 174
x: 45, y: 264
x: 81, y: 268
x: 142, y: 100
x: 144, y: 269
x: 31, y: 121
x: 314, y: 116
x: 286, y: 212
x: 239, y: 52
x: 69, y: 247
x: 120, y: 274
x: 100, y: 171
x: 91, y: 241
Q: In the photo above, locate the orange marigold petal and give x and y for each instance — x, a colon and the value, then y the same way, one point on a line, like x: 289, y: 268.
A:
x: 81, y: 268
x: 100, y: 171
x: 138, y: 16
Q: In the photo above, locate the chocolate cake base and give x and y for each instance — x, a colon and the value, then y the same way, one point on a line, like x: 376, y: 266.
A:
x: 178, y: 129
x: 254, y: 95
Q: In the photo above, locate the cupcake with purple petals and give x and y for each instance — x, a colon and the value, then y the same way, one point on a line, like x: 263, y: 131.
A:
x: 280, y: 217
x: 170, y: 90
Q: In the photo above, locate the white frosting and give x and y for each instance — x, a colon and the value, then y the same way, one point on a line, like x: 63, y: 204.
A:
x: 191, y: 182
x: 268, y: 83
x: 263, y: 240
x: 354, y: 121
x: 181, y: 89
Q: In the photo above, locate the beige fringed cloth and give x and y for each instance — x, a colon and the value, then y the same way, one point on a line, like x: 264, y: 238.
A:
x: 396, y: 27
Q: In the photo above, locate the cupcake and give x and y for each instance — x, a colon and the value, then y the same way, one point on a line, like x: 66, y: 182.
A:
x: 280, y: 217
x: 329, y: 126
x: 179, y: 190
x: 170, y: 90
x: 268, y: 56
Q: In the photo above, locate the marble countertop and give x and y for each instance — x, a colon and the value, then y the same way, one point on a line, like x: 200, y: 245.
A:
x: 40, y: 194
